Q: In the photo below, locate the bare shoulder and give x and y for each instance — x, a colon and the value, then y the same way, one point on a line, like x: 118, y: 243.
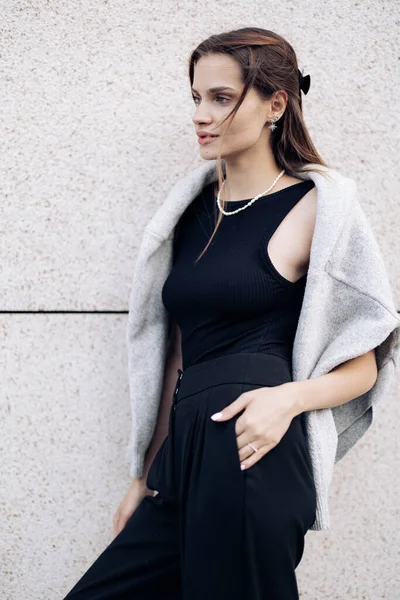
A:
x: 300, y: 220
x: 306, y: 209
x: 290, y: 244
x: 308, y: 206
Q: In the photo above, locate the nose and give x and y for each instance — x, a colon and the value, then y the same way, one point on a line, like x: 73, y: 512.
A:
x: 200, y: 116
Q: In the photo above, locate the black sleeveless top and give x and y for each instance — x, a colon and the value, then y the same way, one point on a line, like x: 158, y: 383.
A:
x: 233, y: 299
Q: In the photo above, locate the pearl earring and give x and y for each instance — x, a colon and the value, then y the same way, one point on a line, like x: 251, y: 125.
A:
x: 273, y: 126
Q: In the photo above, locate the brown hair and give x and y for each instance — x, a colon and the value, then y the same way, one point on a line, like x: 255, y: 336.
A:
x: 267, y: 63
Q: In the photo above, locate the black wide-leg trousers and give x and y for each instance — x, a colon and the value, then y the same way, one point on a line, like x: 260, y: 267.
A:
x: 213, y: 531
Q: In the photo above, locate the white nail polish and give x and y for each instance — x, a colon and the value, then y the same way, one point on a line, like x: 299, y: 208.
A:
x: 216, y: 416
x: 242, y: 467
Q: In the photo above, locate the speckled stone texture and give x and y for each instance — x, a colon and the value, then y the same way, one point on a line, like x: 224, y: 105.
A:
x: 95, y: 128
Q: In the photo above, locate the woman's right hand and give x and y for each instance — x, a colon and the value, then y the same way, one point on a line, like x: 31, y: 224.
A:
x: 135, y: 494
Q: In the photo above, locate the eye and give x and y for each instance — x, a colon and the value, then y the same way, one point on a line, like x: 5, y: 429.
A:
x: 216, y: 97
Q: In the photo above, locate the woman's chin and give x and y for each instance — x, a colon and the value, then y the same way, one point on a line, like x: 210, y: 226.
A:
x: 209, y: 153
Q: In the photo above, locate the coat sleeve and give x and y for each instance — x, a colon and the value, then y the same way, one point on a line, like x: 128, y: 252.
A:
x: 364, y: 317
x: 146, y: 341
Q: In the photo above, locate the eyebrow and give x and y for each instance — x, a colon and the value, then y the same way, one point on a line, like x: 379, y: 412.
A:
x: 214, y: 90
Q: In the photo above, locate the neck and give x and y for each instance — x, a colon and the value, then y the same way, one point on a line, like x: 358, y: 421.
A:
x: 249, y: 174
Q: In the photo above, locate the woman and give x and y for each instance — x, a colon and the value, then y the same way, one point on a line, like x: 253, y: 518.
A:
x: 274, y: 316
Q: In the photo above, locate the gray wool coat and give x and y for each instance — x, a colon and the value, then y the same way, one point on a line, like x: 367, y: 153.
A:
x: 347, y: 310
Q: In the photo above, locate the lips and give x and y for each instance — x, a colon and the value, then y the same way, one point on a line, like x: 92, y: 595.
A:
x: 206, y: 139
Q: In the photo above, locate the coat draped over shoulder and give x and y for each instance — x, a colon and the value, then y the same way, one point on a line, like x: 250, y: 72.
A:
x: 347, y: 310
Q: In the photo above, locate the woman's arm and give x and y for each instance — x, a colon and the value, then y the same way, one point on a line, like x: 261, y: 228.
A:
x: 345, y: 382
x: 173, y: 361
x: 138, y: 488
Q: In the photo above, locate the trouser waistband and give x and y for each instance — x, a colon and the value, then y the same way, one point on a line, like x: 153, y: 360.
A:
x: 244, y: 367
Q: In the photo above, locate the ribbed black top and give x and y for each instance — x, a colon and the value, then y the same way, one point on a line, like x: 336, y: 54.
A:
x: 233, y: 299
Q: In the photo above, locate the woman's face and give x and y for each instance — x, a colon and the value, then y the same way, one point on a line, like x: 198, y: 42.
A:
x: 248, y: 125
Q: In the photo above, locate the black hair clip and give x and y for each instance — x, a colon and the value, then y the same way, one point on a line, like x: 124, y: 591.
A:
x: 304, y: 82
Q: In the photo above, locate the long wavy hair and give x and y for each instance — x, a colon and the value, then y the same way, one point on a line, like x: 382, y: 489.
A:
x: 267, y: 63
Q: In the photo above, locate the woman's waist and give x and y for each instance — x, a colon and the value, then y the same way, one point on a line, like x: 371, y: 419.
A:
x: 263, y: 369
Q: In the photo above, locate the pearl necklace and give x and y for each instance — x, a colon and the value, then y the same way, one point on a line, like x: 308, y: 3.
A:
x: 250, y: 202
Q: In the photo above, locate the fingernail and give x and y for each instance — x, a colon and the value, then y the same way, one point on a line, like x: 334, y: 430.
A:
x: 216, y: 416
x: 242, y: 467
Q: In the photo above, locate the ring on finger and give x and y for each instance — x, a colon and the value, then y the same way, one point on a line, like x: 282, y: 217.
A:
x: 252, y: 447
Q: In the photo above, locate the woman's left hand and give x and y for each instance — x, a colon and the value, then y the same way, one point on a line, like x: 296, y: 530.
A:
x: 265, y: 420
